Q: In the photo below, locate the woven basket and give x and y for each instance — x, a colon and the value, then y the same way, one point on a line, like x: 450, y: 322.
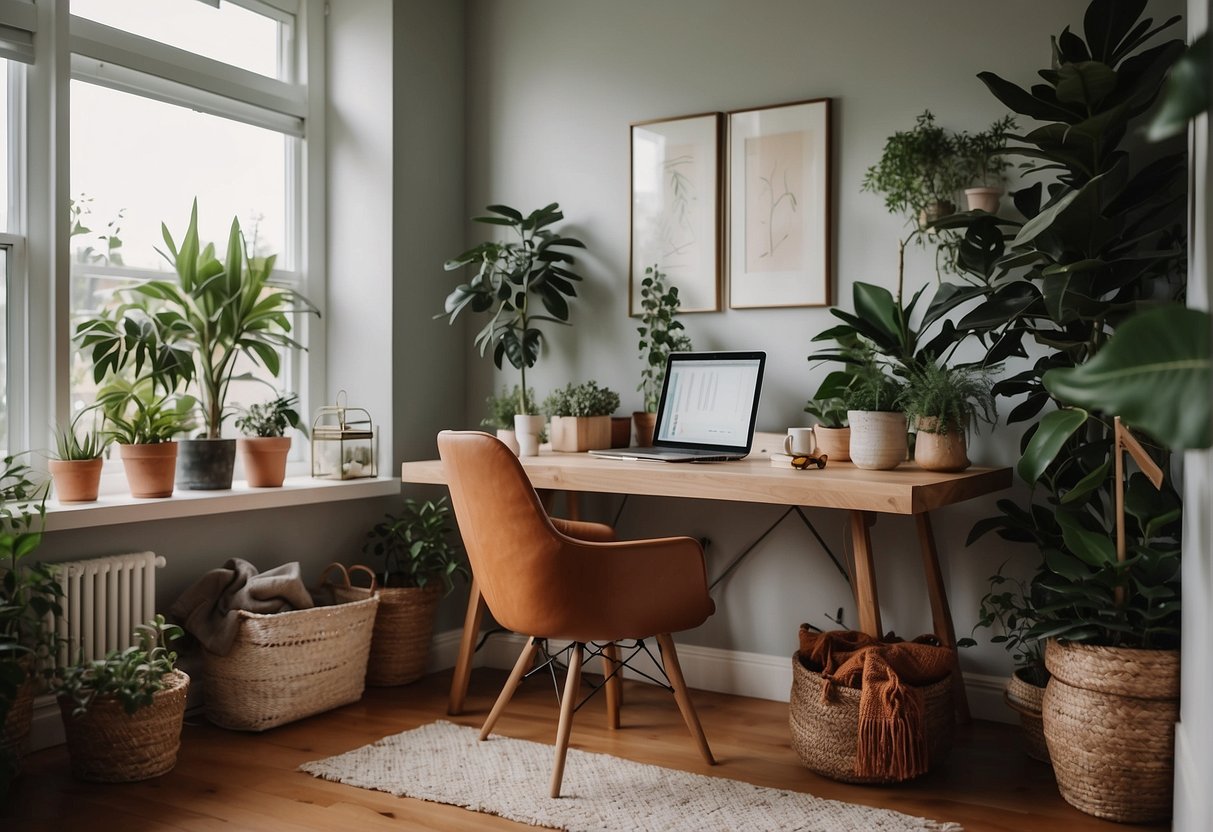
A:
x: 290, y: 665
x: 108, y: 745
x: 825, y: 734
x: 1025, y: 699
x: 1109, y: 721
x: 14, y: 733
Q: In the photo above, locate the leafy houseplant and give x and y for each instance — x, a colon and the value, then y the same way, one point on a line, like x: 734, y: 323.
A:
x: 878, y: 427
x: 661, y: 333
x: 143, y: 416
x: 123, y: 714
x: 502, y: 408
x: 76, y: 466
x: 28, y: 594
x: 510, y: 276
x: 264, y: 447
x: 919, y: 172
x: 942, y: 403
x: 581, y: 416
x: 980, y: 156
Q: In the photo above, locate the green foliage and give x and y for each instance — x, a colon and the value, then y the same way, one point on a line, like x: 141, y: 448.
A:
x: 198, y: 326
x: 872, y: 389
x: 79, y: 211
x: 72, y: 444
x: 508, y: 276
x: 1010, y: 611
x: 660, y: 333
x: 138, y: 414
x: 918, y: 166
x: 586, y: 399
x: 271, y: 418
x: 132, y: 676
x: 979, y: 155
x: 1186, y: 94
x: 829, y: 411
x: 948, y: 398
x: 504, y: 407
x: 415, y: 545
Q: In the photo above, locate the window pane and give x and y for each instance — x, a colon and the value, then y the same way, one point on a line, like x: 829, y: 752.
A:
x: 229, y: 33
x: 7, y: 161
x: 4, y: 261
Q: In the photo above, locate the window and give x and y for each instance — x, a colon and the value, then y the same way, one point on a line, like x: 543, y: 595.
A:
x: 11, y: 278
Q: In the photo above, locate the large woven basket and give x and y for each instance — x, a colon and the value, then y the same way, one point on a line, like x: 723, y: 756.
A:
x: 1109, y: 721
x: 14, y: 732
x: 108, y: 745
x: 825, y: 734
x: 1025, y: 700
x: 290, y: 665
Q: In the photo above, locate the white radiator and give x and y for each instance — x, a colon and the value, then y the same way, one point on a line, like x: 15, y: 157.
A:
x: 104, y: 599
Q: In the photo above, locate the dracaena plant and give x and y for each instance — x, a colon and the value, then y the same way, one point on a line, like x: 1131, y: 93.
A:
x: 509, y: 277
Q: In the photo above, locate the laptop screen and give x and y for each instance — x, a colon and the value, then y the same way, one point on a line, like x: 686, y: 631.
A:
x: 710, y: 399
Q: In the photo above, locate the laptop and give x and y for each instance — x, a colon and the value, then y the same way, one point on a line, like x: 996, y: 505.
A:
x: 708, y: 406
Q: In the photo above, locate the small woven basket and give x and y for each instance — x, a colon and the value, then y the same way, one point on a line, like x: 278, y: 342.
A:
x: 1109, y: 721
x: 108, y: 745
x: 825, y: 734
x: 290, y: 665
x: 1025, y: 699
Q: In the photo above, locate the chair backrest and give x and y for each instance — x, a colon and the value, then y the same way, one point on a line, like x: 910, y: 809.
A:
x: 513, y: 548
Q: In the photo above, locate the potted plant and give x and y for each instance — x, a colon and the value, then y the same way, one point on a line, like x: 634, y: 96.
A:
x: 510, y: 276
x: 142, y: 417
x: 123, y: 714
x: 502, y: 410
x: 878, y: 424
x: 264, y: 447
x: 919, y: 172
x: 829, y: 407
x: 420, y: 562
x: 29, y: 594
x: 942, y: 404
x: 76, y: 466
x: 215, y: 315
x: 661, y: 333
x: 581, y: 416
x: 981, y: 157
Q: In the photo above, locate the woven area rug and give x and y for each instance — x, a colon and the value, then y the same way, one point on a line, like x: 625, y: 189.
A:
x: 445, y: 763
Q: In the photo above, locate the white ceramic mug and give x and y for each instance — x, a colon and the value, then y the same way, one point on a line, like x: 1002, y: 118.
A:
x: 799, y: 442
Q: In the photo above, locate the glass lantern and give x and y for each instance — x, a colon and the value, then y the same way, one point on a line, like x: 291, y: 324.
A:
x: 345, y: 444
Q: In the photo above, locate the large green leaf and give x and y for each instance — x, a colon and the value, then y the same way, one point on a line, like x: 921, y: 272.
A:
x: 1186, y: 94
x: 1055, y: 428
x: 1086, y: 83
x: 1154, y: 373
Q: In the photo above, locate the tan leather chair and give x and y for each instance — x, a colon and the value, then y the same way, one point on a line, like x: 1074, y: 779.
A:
x: 570, y: 581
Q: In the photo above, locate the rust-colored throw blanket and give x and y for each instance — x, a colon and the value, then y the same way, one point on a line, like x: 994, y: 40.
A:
x: 892, y: 740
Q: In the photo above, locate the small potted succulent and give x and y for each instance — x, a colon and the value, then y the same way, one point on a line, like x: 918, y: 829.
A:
x: 264, y: 447
x: 502, y: 410
x: 660, y: 334
x: 143, y: 416
x: 76, y: 465
x: 878, y: 425
x: 941, y: 404
x: 581, y: 416
x: 123, y: 714
x: 981, y: 157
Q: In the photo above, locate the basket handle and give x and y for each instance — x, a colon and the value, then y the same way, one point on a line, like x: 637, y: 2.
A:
x: 360, y: 568
x: 325, y: 574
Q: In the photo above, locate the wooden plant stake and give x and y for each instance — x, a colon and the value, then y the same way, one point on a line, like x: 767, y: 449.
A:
x: 1126, y: 441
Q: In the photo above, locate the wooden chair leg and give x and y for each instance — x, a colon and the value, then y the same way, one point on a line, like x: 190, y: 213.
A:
x: 526, y: 660
x: 614, y: 684
x: 572, y: 686
x: 669, y: 657
x: 467, y: 649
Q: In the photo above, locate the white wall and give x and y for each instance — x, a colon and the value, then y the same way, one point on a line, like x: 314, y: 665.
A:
x: 552, y: 88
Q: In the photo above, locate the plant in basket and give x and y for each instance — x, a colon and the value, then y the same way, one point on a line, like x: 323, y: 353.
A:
x: 123, y: 714
x: 420, y: 562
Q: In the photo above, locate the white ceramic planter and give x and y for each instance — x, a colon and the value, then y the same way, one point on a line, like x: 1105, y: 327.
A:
x: 983, y: 199
x: 527, y: 430
x: 878, y: 440
x: 509, y: 439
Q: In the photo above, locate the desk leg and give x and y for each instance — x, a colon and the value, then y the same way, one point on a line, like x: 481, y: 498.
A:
x: 572, y: 504
x: 941, y: 613
x: 467, y: 649
x: 866, y: 603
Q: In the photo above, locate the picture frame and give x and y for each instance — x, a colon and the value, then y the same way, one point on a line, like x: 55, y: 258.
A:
x: 780, y: 198
x: 676, y: 208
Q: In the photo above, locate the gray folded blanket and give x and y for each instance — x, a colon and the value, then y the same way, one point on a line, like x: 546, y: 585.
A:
x: 208, y: 609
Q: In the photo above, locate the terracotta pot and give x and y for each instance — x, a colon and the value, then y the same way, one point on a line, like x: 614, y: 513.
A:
x: 933, y: 211
x: 528, y: 429
x: 149, y: 468
x: 574, y: 434
x: 621, y: 431
x: 947, y: 451
x: 834, y: 443
x: 645, y: 424
x: 983, y: 199
x: 76, y: 480
x: 264, y: 459
x: 878, y: 439
x: 508, y: 438
x: 206, y: 464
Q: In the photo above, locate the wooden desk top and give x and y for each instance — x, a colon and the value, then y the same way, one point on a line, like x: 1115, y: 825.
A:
x: 906, y: 489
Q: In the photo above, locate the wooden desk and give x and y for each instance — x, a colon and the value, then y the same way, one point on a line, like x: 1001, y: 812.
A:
x: 906, y: 490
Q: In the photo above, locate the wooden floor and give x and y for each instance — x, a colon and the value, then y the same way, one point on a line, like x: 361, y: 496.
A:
x: 233, y: 781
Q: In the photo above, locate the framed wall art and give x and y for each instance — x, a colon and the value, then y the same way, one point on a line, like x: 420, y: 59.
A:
x: 676, y: 217
x: 779, y: 206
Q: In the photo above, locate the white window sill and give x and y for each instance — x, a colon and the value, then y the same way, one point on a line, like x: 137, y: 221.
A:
x: 112, y: 509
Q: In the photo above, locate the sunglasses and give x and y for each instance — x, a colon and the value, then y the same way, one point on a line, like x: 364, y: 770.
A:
x: 802, y: 462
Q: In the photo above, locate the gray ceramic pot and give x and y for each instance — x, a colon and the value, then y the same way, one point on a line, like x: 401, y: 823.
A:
x: 206, y: 464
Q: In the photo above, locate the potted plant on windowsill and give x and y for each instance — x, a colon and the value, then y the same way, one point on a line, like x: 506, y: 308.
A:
x: 76, y: 465
x: 982, y: 160
x: 510, y: 276
x: 581, y: 417
x: 123, y: 714
x: 502, y: 410
x: 661, y: 333
x: 419, y: 565
x: 142, y: 417
x: 264, y: 446
x: 942, y: 403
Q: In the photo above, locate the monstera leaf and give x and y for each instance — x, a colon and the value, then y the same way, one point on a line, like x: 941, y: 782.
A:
x: 1154, y: 373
